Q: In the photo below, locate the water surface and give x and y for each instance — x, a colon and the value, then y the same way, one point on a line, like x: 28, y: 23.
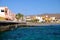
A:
x: 51, y: 32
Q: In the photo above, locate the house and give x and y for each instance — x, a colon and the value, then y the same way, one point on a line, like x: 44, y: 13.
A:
x: 2, y: 12
x: 39, y: 18
x: 34, y: 18
x: 53, y: 19
x: 7, y: 14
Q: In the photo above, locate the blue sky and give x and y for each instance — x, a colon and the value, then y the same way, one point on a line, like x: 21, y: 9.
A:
x: 32, y: 7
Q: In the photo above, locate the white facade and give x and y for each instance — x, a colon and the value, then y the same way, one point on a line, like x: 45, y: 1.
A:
x: 39, y: 18
x: 2, y: 12
x: 6, y: 13
x: 53, y: 18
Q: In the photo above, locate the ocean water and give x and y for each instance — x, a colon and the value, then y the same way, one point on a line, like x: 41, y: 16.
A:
x: 50, y: 32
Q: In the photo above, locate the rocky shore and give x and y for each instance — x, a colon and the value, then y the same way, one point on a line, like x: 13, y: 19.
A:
x: 8, y: 27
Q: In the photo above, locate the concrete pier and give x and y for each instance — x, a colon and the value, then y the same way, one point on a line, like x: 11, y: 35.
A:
x: 6, y: 25
x: 11, y: 22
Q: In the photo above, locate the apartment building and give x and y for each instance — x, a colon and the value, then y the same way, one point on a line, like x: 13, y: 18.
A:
x: 6, y: 14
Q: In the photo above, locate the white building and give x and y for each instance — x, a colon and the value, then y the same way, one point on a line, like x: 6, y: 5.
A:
x: 6, y: 13
x: 2, y: 11
x: 53, y: 18
x: 39, y: 18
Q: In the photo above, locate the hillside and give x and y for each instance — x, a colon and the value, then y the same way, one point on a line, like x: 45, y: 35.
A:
x: 51, y: 15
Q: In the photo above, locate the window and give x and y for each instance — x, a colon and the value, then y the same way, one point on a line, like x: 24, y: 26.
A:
x: 2, y: 10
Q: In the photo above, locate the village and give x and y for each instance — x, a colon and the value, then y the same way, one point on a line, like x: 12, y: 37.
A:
x: 29, y: 19
x: 8, y: 15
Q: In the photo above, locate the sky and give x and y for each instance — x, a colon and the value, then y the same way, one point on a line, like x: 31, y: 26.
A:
x: 32, y: 7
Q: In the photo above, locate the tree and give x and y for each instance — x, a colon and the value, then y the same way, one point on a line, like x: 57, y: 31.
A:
x: 36, y: 20
x: 19, y: 15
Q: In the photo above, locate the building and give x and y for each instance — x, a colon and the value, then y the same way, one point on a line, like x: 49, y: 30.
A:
x: 7, y: 14
x: 34, y: 18
x: 53, y: 19
x: 28, y: 18
x: 39, y: 18
x: 46, y: 18
x: 49, y: 18
x: 2, y: 12
x: 42, y: 19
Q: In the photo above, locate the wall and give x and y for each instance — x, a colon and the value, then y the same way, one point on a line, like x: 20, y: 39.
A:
x: 2, y: 14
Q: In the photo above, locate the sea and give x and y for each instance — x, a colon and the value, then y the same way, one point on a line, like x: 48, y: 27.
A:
x: 47, y: 32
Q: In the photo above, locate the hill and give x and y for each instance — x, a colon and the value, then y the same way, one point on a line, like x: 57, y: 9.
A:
x: 51, y: 15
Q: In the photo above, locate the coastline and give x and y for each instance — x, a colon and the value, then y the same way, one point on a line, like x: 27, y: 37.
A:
x: 42, y: 24
x: 9, y: 27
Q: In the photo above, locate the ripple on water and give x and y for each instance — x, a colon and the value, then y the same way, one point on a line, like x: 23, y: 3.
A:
x: 33, y: 33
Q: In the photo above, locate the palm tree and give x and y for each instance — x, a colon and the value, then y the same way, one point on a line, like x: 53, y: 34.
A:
x: 19, y: 16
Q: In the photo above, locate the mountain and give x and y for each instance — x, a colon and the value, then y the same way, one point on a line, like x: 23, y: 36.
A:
x: 57, y: 15
x: 51, y: 15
